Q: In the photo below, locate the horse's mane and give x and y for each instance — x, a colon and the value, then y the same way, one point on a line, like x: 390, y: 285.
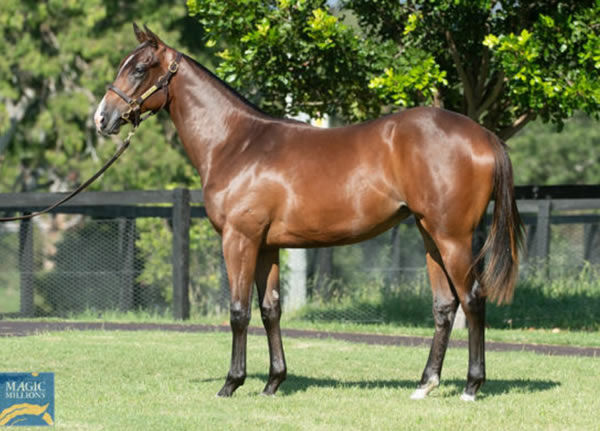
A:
x: 228, y: 87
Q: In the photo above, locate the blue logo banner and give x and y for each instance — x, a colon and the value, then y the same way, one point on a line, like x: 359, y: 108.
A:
x: 26, y: 399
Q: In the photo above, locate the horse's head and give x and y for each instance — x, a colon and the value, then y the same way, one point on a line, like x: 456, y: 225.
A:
x: 137, y: 88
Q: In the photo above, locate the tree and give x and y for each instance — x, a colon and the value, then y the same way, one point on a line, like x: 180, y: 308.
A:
x: 541, y: 155
x: 57, y: 58
x: 501, y: 62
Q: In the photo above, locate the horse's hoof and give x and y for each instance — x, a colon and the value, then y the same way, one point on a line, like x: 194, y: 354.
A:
x: 419, y: 394
x: 269, y: 392
x: 468, y: 398
x: 225, y: 392
x: 422, y: 392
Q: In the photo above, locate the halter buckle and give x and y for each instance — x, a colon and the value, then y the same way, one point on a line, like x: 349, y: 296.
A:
x: 173, y: 66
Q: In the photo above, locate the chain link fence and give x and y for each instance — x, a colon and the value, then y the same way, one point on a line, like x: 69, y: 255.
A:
x: 85, y: 265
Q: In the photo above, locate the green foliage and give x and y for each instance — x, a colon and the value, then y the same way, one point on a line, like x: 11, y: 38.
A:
x: 414, y: 79
x: 541, y: 155
x: 520, y: 60
x: 290, y: 56
x: 57, y: 59
x: 154, y: 243
x: 554, y: 66
x: 502, y: 63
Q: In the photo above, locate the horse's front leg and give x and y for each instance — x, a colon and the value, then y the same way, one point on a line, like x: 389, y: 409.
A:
x: 267, y: 283
x: 240, y: 254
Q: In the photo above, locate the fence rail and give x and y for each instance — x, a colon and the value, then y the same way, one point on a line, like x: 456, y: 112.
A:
x: 536, y: 204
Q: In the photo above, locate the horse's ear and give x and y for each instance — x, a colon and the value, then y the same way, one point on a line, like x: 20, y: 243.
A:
x: 139, y: 34
x: 152, y: 38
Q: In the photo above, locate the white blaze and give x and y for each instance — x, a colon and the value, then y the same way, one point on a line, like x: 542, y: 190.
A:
x: 102, y: 106
x: 98, y: 113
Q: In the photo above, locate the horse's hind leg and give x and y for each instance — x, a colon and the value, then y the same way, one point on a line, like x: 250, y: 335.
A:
x: 474, y: 305
x: 457, y: 258
x: 267, y: 282
x: 240, y: 257
x: 445, y: 304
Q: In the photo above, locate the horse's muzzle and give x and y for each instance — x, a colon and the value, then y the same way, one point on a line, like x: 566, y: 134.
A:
x: 108, y: 123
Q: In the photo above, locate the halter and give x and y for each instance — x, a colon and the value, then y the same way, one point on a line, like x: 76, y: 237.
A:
x: 133, y: 114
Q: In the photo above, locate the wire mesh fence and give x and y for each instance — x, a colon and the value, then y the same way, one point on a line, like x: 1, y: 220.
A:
x: 80, y: 264
x: 99, y: 265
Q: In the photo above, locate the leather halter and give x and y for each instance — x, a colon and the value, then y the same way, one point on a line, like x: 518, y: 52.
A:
x: 133, y: 114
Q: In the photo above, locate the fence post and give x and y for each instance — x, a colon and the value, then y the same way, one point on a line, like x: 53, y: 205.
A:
x: 181, y: 253
x: 296, y: 294
x: 542, y: 234
x: 26, y: 267
x: 127, y: 255
x: 590, y: 238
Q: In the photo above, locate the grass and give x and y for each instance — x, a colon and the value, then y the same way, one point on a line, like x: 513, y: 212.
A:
x: 568, y: 302
x: 157, y: 380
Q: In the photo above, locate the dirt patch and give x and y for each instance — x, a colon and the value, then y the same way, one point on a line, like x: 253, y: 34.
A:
x: 26, y: 327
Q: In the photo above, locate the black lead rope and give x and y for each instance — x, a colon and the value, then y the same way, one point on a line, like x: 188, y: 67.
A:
x: 75, y: 192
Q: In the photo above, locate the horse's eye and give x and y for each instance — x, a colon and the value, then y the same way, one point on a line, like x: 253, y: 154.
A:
x: 140, y: 69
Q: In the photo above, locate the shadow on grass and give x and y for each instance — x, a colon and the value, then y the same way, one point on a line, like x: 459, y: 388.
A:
x: 296, y: 383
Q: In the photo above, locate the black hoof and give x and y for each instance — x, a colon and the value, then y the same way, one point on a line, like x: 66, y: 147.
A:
x: 270, y: 389
x: 226, y: 391
x: 273, y: 383
x: 231, y: 384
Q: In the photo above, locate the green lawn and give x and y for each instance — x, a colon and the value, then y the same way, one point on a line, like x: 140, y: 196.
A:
x: 160, y: 381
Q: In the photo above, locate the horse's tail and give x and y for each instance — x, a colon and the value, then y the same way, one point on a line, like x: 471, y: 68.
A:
x: 506, y: 235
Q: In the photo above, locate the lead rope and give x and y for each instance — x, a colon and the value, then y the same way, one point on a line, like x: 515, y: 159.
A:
x: 75, y: 192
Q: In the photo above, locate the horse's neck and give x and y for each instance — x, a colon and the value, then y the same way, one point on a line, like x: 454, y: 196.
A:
x: 210, y: 119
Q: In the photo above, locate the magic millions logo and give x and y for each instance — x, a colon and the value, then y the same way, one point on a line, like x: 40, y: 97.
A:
x: 26, y: 399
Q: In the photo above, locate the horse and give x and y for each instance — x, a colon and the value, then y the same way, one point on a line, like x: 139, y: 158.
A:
x: 273, y: 183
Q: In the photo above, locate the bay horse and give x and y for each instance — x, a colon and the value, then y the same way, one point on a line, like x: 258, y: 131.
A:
x: 271, y: 183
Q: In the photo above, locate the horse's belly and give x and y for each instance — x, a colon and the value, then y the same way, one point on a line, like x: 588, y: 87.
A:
x: 333, y: 226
